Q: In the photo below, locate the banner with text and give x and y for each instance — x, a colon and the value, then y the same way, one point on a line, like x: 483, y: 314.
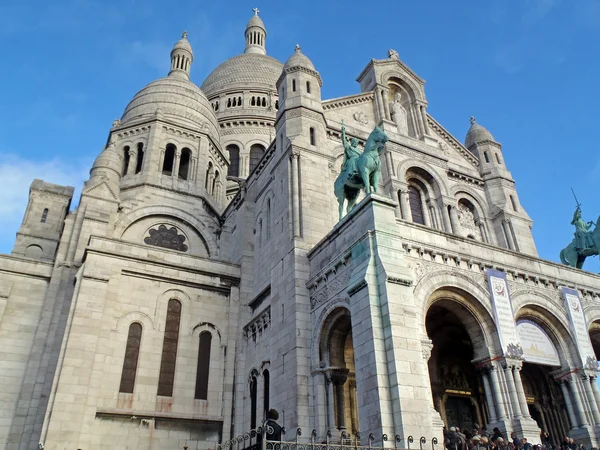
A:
x: 503, y: 314
x: 579, y: 328
x: 537, y: 346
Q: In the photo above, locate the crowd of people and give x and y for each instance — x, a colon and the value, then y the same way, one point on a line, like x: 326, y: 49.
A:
x: 480, y: 438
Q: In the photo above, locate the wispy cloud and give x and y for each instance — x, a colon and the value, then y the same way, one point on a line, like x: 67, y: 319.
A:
x: 18, y: 173
x: 536, y: 10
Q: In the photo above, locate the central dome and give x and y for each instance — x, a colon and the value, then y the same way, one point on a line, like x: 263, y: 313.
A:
x: 249, y: 70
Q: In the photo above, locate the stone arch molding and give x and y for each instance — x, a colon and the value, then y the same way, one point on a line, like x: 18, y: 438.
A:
x: 197, y: 329
x: 122, y: 324
x: 481, y: 311
x: 160, y: 309
x: 551, y: 318
x: 319, y: 326
x: 407, y: 164
x: 126, y: 221
x: 416, y: 90
x: 471, y: 195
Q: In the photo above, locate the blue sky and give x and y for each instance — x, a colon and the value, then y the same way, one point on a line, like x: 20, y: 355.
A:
x: 526, y: 69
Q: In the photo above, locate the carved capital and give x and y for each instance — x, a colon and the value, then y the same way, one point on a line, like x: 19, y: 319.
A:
x: 426, y: 348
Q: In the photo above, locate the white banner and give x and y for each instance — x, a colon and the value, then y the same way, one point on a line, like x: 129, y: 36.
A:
x: 537, y: 346
x: 503, y: 314
x: 579, y: 329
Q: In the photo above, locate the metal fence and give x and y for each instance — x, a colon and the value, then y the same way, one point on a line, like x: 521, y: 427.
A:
x: 256, y: 440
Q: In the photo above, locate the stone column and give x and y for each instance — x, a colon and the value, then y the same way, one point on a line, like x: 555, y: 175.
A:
x: 497, y: 393
x: 175, y: 173
x: 512, y: 391
x: 132, y: 161
x: 424, y: 115
x: 583, y: 421
x: 405, y: 205
x: 596, y: 391
x: 489, y: 396
x: 445, y: 217
x: 330, y: 404
x: 416, y: 119
x: 379, y: 101
x: 567, y: 397
x: 295, y: 193
x: 194, y: 169
x: 386, y: 104
x: 591, y: 398
x: 390, y: 164
x: 482, y: 231
x: 340, y: 381
x: 508, y: 235
x: 454, y: 219
x: 520, y: 391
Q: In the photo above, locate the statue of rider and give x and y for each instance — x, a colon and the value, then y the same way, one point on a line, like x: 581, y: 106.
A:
x: 351, y: 149
x: 583, y: 238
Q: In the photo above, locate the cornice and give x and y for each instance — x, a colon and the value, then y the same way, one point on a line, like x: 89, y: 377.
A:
x: 351, y: 100
x: 452, y: 141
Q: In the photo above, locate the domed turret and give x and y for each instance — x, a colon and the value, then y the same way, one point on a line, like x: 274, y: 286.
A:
x: 256, y: 35
x: 175, y: 96
x: 181, y: 58
x: 107, y: 166
x: 477, y: 134
x: 299, y: 59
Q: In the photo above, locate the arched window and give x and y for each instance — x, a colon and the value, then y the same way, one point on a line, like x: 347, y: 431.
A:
x: 253, y: 101
x: 140, y: 158
x: 168, y: 160
x: 256, y: 153
x: 125, y: 159
x: 184, y: 164
x: 416, y: 205
x: 229, y: 103
x: 312, y: 136
x: 308, y: 87
x: 210, y: 173
x: 234, y: 158
x: 203, y: 366
x: 132, y: 353
x: 513, y: 203
x: 268, y: 236
x: 215, y: 186
x: 486, y: 156
x: 264, y: 102
x: 267, y: 388
x: 239, y: 101
x: 293, y: 85
x: 253, y: 389
x: 498, y: 158
x: 276, y: 104
x: 216, y: 106
x: 44, y: 215
x: 169, y: 350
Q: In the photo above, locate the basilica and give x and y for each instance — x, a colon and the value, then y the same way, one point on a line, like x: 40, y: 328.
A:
x: 205, y: 276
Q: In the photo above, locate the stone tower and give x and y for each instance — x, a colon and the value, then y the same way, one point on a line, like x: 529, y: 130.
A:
x: 512, y: 225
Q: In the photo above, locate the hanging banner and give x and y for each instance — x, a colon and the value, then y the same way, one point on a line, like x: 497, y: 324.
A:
x: 537, y: 346
x: 579, y: 328
x: 503, y: 314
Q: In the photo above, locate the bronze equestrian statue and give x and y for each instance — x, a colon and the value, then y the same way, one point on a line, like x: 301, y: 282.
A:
x: 586, y: 242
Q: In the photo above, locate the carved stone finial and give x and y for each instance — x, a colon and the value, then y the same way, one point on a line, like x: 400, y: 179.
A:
x: 297, y: 47
x: 393, y: 54
x: 116, y: 123
x: 184, y: 35
x: 256, y: 11
x: 472, y: 120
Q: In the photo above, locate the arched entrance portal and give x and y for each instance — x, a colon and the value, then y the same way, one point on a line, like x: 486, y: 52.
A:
x: 457, y: 392
x: 545, y: 401
x: 336, y: 353
x: 595, y: 338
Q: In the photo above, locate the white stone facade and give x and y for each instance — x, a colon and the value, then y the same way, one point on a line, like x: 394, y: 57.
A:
x: 247, y: 294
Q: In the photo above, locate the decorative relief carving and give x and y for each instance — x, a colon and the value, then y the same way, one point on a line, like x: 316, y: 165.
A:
x: 360, y: 117
x: 401, y: 281
x: 166, y: 238
x: 257, y: 326
x: 357, y: 287
x: 466, y: 219
x: 330, y: 286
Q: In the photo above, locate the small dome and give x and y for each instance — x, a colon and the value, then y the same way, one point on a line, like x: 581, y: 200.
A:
x: 243, y: 72
x: 176, y: 98
x: 256, y: 21
x: 109, y: 159
x: 183, y: 43
x: 477, y: 134
x: 298, y: 59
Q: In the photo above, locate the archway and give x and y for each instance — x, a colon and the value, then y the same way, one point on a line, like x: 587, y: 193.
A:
x: 595, y: 338
x: 456, y: 386
x: 336, y: 353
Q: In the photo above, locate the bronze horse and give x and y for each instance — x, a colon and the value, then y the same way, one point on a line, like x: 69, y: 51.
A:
x: 360, y: 172
x: 574, y: 257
